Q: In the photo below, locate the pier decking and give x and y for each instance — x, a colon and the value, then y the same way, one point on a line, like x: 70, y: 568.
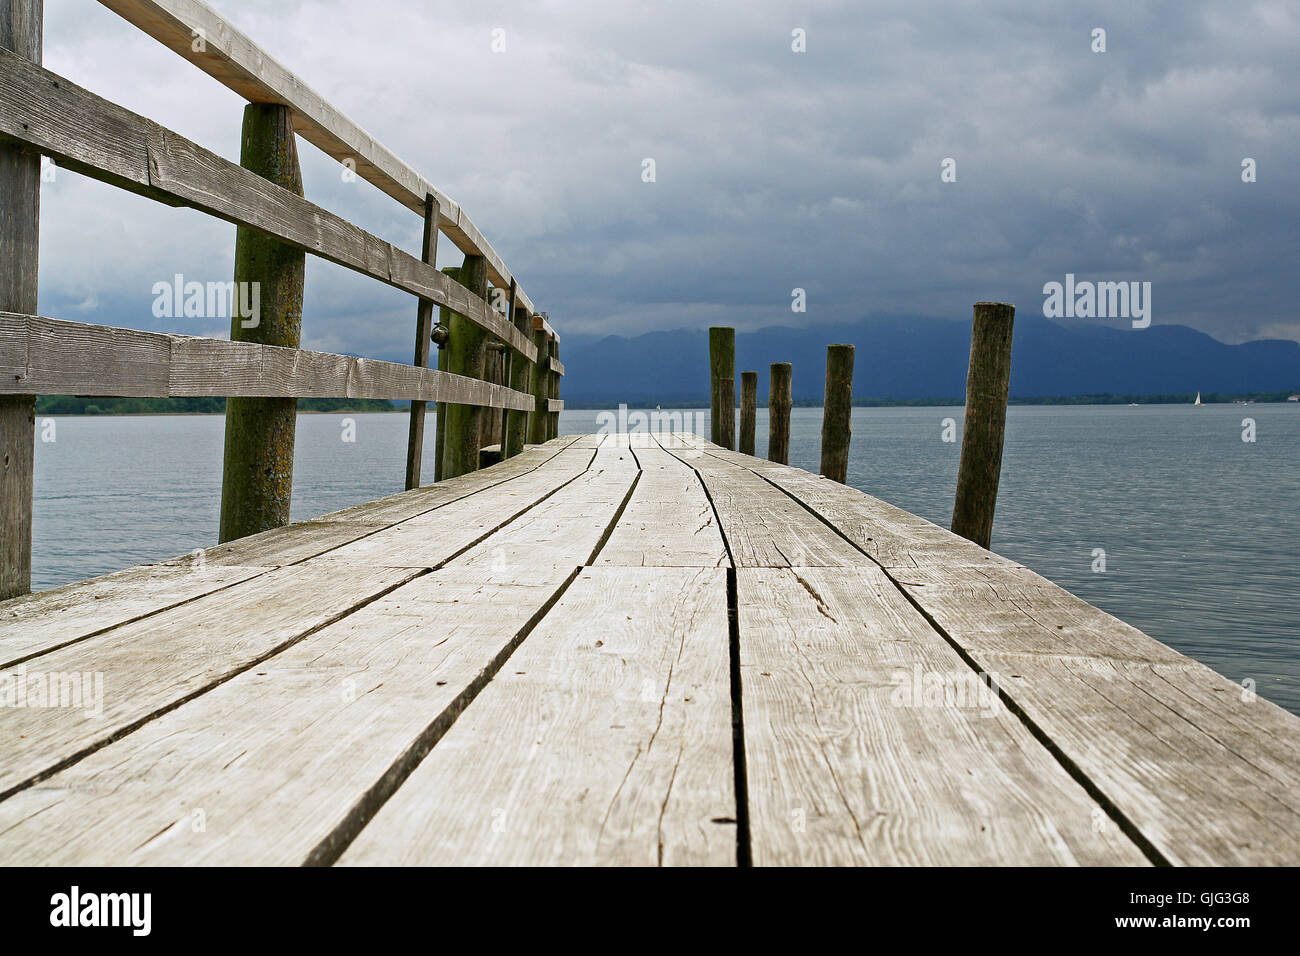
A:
x: 623, y: 650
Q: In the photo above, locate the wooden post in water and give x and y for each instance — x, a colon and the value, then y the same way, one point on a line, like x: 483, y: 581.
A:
x: 837, y: 412
x: 20, y: 213
x: 988, y: 384
x: 423, y: 329
x: 748, y: 410
x: 466, y: 354
x: 539, y: 417
x: 722, y: 375
x: 778, y: 413
x: 257, y: 479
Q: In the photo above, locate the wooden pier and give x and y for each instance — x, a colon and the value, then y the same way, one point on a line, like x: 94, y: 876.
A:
x: 604, y: 649
x: 613, y: 650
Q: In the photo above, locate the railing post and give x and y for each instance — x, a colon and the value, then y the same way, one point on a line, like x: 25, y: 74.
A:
x: 539, y: 417
x: 837, y: 412
x: 257, y: 480
x: 514, y: 430
x: 440, y: 436
x: 778, y: 413
x: 466, y: 354
x: 20, y: 213
x: 553, y: 418
x: 423, y: 329
x: 722, y: 369
x: 988, y: 385
x: 748, y: 411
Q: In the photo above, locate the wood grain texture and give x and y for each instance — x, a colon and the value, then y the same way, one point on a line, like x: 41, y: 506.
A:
x: 106, y: 142
x: 669, y: 521
x: 837, y: 412
x: 1121, y: 706
x: 157, y: 662
x: 849, y: 763
x: 765, y: 528
x: 303, y: 737
x: 604, y: 740
x: 34, y: 623
x: 233, y: 59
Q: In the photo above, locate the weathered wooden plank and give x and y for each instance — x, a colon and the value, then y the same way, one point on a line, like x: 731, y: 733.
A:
x: 142, y: 668
x: 34, y: 623
x: 274, y: 760
x: 1180, y: 750
x: 407, y: 504
x: 764, y: 527
x: 606, y: 739
x: 104, y: 141
x: 555, y: 404
x: 74, y: 358
x: 429, y: 539
x: 283, y: 754
x: 668, y: 522
x: 869, y: 741
x: 236, y: 61
x: 1108, y: 696
x: 556, y: 366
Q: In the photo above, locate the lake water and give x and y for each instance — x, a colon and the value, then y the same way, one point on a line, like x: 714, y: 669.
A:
x: 1199, y: 527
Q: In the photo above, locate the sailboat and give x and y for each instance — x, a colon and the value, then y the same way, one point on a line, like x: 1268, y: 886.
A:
x: 1198, y: 399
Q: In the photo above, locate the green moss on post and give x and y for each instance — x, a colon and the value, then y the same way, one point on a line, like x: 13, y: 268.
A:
x: 520, y: 381
x: 466, y: 354
x: 722, y: 368
x: 778, y: 413
x: 257, y: 480
x: 540, y: 378
x: 748, y: 411
x: 837, y: 412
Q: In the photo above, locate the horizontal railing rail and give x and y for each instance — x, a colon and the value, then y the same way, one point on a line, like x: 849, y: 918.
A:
x: 45, y: 356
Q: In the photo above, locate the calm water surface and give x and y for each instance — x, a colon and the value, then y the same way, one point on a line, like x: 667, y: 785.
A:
x: 1199, y: 528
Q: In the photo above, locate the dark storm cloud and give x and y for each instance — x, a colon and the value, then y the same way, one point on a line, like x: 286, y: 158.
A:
x: 775, y: 169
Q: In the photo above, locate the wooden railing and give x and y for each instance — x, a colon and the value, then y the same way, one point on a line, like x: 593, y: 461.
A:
x: 494, y: 360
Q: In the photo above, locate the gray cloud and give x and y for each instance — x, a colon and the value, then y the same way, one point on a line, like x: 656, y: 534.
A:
x: 775, y: 170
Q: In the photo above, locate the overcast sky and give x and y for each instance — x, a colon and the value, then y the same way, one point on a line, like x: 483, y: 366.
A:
x: 775, y: 170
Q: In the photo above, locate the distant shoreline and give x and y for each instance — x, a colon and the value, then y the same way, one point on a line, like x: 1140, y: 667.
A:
x: 65, y: 406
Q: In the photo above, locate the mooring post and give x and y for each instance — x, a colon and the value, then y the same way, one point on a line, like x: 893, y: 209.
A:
x: 423, y: 330
x: 837, y: 412
x: 778, y: 413
x: 257, y: 479
x: 988, y: 385
x: 516, y: 422
x: 466, y: 354
x: 722, y: 370
x: 20, y: 215
x: 748, y: 410
x: 553, y: 418
x: 539, y: 417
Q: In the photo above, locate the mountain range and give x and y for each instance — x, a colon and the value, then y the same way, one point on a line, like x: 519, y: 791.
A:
x: 910, y: 358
